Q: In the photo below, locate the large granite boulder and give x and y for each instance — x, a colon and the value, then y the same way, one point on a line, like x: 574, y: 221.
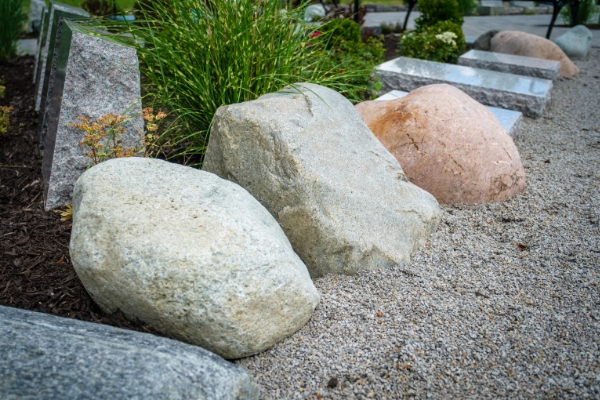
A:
x: 528, y: 45
x: 576, y: 42
x: 448, y: 144
x: 192, y: 255
x: 49, y: 357
x: 308, y: 157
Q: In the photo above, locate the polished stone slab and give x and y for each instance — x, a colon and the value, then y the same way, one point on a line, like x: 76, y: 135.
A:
x: 92, y: 77
x: 510, y: 120
x: 40, y: 46
x: 49, y: 357
x: 55, y: 12
x: 499, y: 89
x: 519, y: 65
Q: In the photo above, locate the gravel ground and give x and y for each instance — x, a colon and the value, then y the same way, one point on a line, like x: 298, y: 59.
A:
x: 503, y: 302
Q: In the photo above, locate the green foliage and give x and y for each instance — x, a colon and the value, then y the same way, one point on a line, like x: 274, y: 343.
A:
x: 341, y: 29
x: 587, y: 8
x: 100, y: 8
x: 2, y: 89
x: 467, y: 7
x: 391, y: 28
x: 12, y: 20
x: 443, y: 42
x: 197, y: 55
x: 434, y: 11
x: 4, y: 118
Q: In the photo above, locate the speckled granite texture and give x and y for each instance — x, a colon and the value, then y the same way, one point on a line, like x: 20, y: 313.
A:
x: 49, y: 357
x: 519, y: 65
x: 92, y: 77
x: 499, y: 89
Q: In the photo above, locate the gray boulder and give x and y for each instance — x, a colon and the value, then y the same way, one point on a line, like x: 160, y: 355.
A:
x: 483, y: 42
x: 576, y: 42
x: 192, y: 255
x: 49, y: 357
x: 339, y: 195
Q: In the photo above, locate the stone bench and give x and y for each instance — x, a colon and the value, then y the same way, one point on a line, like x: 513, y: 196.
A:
x: 519, y: 65
x: 510, y: 120
x: 513, y: 92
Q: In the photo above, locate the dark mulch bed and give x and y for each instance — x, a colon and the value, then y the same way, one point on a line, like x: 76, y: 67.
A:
x: 35, y: 268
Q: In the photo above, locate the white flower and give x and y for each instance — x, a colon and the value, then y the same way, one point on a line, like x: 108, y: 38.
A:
x: 447, y: 37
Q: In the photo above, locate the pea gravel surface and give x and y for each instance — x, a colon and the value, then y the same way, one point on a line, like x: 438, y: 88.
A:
x: 502, y: 302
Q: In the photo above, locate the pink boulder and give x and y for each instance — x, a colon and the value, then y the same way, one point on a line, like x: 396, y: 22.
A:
x: 528, y: 45
x: 448, y: 144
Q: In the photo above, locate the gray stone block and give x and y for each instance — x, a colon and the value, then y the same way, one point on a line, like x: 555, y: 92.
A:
x: 510, y: 120
x: 49, y: 357
x: 513, y: 92
x: 56, y: 11
x: 519, y: 65
x: 92, y: 77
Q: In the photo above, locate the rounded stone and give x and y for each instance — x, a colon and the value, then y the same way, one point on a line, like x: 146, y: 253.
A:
x: 192, y: 255
x: 448, y: 144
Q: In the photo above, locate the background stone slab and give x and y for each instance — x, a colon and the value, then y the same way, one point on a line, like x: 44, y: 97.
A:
x: 49, y: 357
x: 519, y: 65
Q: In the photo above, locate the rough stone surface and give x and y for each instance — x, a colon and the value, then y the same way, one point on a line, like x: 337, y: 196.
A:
x: 519, y: 65
x: 510, y: 120
x: 514, y: 92
x: 48, y: 357
x: 528, y: 45
x: 307, y: 156
x: 56, y: 11
x: 576, y: 42
x: 92, y: 77
x: 190, y: 254
x: 483, y: 41
x: 448, y: 144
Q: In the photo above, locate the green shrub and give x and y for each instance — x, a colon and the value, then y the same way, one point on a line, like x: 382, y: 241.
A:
x: 434, y: 11
x: 467, y: 7
x: 197, y: 55
x: 341, y: 29
x: 443, y: 42
x: 391, y: 28
x: 587, y: 8
x: 12, y: 20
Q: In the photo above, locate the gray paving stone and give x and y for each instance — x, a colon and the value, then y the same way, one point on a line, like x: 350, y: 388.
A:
x: 49, y: 357
x: 510, y: 120
x: 499, y: 89
x: 519, y: 65
x: 92, y: 77
x: 55, y: 11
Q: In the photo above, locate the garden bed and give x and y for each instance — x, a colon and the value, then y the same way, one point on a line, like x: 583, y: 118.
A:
x: 35, y: 268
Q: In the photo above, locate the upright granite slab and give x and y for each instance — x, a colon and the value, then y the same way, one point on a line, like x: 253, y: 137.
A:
x: 49, y: 357
x: 518, y: 65
x: 510, y: 120
x: 92, y: 77
x: 56, y: 11
x: 526, y: 94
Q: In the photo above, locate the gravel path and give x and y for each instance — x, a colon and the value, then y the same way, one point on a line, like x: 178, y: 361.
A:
x: 503, y: 302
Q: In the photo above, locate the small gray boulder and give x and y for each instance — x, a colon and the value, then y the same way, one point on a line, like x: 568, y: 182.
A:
x: 49, y: 357
x: 192, y: 255
x: 576, y: 42
x: 483, y: 42
x: 342, y: 199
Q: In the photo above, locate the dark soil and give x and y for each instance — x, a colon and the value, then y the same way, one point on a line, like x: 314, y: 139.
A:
x: 35, y: 268
x: 390, y: 44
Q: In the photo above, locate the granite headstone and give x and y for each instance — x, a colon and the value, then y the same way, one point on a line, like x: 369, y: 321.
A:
x: 56, y: 11
x: 92, y: 77
x: 49, y: 357
x: 519, y: 65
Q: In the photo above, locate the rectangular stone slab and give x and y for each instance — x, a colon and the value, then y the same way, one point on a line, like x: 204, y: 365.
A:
x: 499, y: 89
x: 92, y: 77
x: 55, y: 11
x: 519, y: 65
x: 49, y: 357
x: 510, y: 120
x: 40, y: 44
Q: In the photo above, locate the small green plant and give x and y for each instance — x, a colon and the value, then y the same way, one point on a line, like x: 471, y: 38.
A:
x: 443, y: 42
x: 12, y: 20
x: 4, y: 118
x: 585, y: 11
x: 2, y: 89
x: 386, y: 29
x: 467, y: 7
x: 434, y: 11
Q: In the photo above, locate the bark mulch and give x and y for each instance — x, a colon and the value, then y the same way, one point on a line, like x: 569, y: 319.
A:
x: 35, y: 268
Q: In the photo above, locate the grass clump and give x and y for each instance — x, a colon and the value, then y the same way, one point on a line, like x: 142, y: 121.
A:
x: 585, y: 11
x: 198, y: 55
x: 12, y: 20
x: 434, y: 11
